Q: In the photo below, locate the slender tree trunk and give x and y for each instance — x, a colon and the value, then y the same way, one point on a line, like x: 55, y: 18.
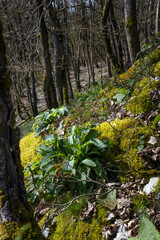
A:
x: 151, y: 25
x: 33, y: 81
x: 109, y: 50
x: 158, y: 18
x: 14, y: 208
x: 131, y: 28
x: 58, y: 48
x: 48, y: 84
x: 34, y: 94
x: 117, y: 38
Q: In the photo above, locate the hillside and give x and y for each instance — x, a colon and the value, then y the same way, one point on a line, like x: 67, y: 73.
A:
x: 86, y: 165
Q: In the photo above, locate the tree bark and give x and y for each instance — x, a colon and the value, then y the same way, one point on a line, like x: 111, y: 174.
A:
x: 158, y: 18
x: 14, y: 208
x: 131, y: 28
x: 48, y: 84
x: 113, y: 59
x: 117, y: 38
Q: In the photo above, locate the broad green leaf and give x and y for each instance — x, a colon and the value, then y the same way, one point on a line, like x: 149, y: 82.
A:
x: 72, y: 129
x: 89, y: 162
x: 44, y: 149
x: 156, y: 120
x: 91, y: 133
x: 98, y: 143
x: 94, y: 153
x: 49, y: 138
x: 119, y: 97
x: 147, y: 230
x: 48, y: 167
x: 83, y: 178
x: 68, y: 165
x: 74, y: 172
x: 45, y: 158
x: 108, y: 200
x: 70, y: 139
x: 134, y: 239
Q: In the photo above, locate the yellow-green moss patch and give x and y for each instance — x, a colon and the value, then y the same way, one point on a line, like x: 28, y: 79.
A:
x: 156, y: 71
x: 127, y: 136
x: 131, y: 72
x: 69, y: 227
x: 29, y: 146
x: 140, y: 100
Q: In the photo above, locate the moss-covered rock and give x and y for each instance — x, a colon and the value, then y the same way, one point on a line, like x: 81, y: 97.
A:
x: 128, y: 135
x: 131, y: 72
x: 156, y: 71
x: 25, y: 228
x: 29, y: 146
x: 140, y: 100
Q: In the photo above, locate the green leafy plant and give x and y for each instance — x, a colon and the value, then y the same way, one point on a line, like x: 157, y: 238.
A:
x: 22, y: 231
x: 68, y: 163
x: 121, y: 94
x: 43, y: 120
x: 89, y: 95
x: 142, y: 143
x: 147, y: 230
x: 157, y: 118
x: 140, y: 203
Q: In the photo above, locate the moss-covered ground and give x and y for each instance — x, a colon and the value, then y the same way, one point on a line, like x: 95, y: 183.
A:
x: 120, y: 111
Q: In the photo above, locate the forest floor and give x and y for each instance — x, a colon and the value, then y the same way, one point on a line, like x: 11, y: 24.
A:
x: 99, y: 72
x: 128, y: 116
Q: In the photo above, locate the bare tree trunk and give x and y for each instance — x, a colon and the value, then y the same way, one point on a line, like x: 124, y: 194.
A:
x: 117, y: 38
x: 109, y: 50
x: 158, y: 18
x: 48, y: 85
x: 33, y: 81
x: 34, y: 95
x: 15, y: 210
x: 131, y: 28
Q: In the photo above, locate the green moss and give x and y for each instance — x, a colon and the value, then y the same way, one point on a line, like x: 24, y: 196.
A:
x: 127, y: 136
x: 132, y: 72
x: 41, y: 222
x: 140, y: 203
x: 153, y: 58
x: 8, y: 231
x: 2, y: 199
x: 140, y: 100
x: 130, y: 22
x: 11, y: 230
x: 156, y: 71
x: 157, y: 187
x: 28, y: 147
x: 70, y: 227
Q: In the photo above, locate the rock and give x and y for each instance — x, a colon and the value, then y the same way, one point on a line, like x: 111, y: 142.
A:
x: 152, y: 140
x: 122, y: 231
x: 150, y: 186
x: 45, y: 232
x: 110, y: 216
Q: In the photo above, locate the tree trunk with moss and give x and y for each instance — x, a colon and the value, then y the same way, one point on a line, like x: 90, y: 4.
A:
x: 131, y: 28
x: 113, y: 59
x: 14, y: 208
